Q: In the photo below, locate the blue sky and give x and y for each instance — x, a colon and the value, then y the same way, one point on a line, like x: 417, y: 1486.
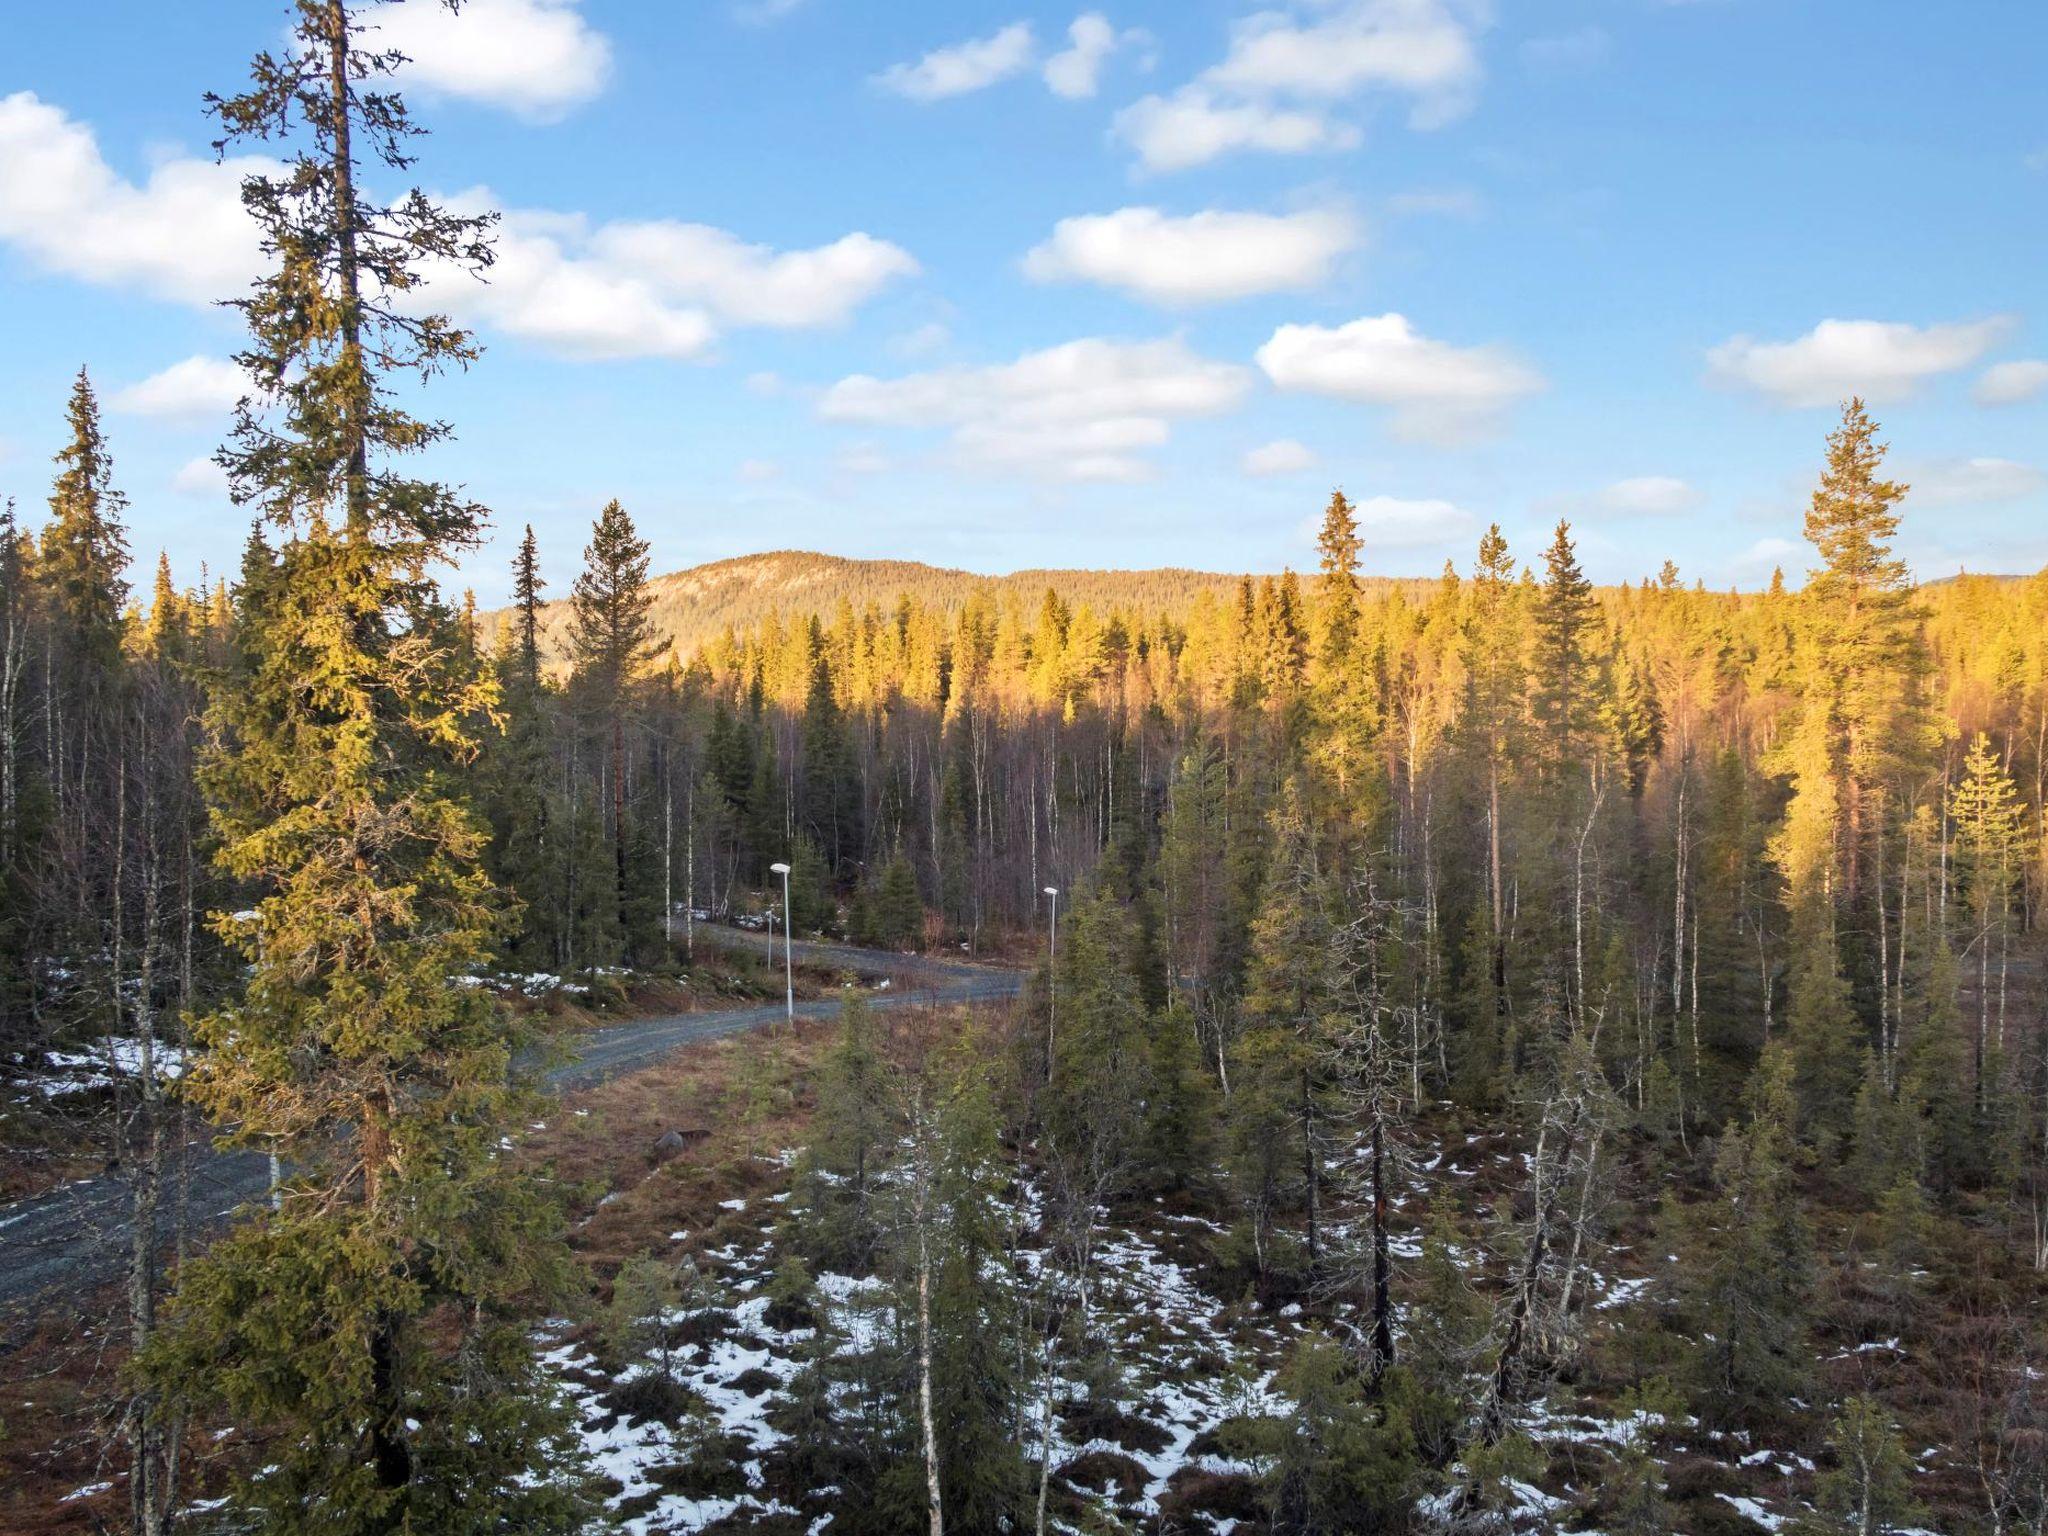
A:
x: 1000, y: 284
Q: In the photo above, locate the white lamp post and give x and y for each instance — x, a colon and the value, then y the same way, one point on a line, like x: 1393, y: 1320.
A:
x: 1052, y: 974
x: 788, y: 961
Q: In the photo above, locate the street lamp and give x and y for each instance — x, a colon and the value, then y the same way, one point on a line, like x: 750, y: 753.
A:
x: 788, y: 962
x: 1052, y: 974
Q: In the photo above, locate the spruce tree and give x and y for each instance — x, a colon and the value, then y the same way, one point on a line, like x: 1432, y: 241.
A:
x: 1750, y: 1275
x: 610, y: 644
x: 373, y: 1325
x: 1988, y: 818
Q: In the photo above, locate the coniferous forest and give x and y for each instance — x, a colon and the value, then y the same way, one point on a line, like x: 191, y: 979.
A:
x: 1514, y: 1055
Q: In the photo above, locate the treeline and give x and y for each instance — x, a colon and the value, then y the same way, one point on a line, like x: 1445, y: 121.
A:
x: 1728, y: 907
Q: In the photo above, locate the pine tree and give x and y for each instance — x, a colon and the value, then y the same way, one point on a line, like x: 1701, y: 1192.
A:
x: 371, y: 1324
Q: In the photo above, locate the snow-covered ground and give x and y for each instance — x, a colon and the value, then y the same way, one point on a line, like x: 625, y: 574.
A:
x: 99, y: 1065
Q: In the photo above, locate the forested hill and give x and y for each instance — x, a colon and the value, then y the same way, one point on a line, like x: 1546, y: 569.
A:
x: 691, y: 607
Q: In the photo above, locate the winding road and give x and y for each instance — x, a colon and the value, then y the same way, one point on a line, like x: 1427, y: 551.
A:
x: 57, y: 1247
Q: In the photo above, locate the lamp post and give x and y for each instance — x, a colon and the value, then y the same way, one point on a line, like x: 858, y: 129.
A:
x: 788, y: 961
x: 1052, y: 974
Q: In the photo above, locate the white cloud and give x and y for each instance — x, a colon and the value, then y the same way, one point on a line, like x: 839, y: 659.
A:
x: 1649, y: 496
x: 202, y: 479
x: 656, y: 288
x: 1282, y: 457
x: 1076, y: 72
x: 1420, y: 48
x: 1437, y: 391
x: 926, y: 340
x: 1203, y: 258
x: 752, y: 284
x: 2012, y: 383
x: 1765, y: 553
x: 181, y: 234
x: 537, y: 59
x: 1286, y: 67
x: 755, y: 471
x: 1390, y: 522
x: 633, y: 288
x: 1192, y: 127
x: 197, y: 389
x: 964, y: 67
x: 1973, y: 482
x: 1881, y: 361
x: 1085, y: 410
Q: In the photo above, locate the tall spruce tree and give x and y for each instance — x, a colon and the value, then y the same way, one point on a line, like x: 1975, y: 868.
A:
x: 372, y: 1324
x: 610, y: 643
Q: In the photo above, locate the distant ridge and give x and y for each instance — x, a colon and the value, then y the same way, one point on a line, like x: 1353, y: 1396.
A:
x: 694, y: 606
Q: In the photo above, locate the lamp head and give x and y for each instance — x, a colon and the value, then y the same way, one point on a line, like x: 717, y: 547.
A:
x: 778, y: 869
x: 1053, y: 891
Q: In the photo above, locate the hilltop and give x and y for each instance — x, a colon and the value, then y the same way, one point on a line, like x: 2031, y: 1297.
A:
x: 695, y: 605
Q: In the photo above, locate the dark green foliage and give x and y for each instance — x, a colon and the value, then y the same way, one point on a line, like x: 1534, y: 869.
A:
x: 1749, y: 1281
x: 1343, y: 1460
x: 374, y: 1324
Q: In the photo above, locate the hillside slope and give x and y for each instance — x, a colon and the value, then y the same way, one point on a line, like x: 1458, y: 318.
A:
x: 695, y: 605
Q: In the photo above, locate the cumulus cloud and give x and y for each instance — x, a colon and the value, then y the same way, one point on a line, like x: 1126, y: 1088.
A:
x: 1203, y: 258
x: 537, y: 59
x: 1076, y: 71
x: 1418, y: 48
x: 1193, y: 126
x: 201, y: 479
x: 2012, y: 383
x: 1392, y: 522
x: 1883, y: 361
x: 747, y: 284
x: 1973, y: 482
x: 629, y: 288
x: 1437, y: 391
x: 180, y: 234
x: 963, y: 67
x: 1648, y: 496
x: 197, y: 389
x: 1285, y: 69
x: 1282, y: 457
x: 1085, y: 410
x: 656, y: 288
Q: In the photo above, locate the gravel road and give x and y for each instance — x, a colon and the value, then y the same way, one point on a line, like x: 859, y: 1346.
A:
x: 57, y: 1247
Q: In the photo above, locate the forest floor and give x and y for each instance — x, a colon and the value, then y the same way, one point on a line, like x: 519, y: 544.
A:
x: 1196, y: 1356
